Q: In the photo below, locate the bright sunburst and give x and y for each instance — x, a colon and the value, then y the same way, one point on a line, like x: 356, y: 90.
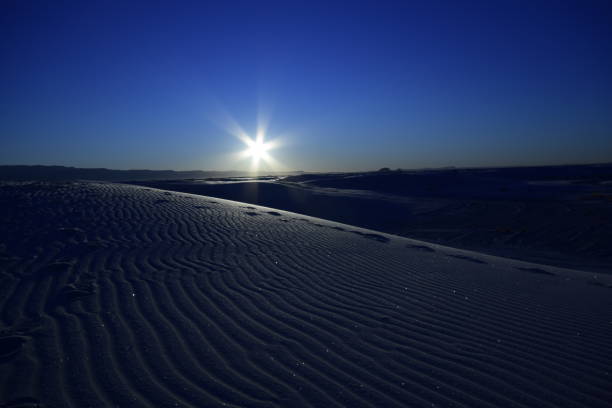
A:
x: 257, y: 148
x: 258, y: 151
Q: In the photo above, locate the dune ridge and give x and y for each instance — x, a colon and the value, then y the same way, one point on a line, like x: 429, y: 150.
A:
x: 119, y: 295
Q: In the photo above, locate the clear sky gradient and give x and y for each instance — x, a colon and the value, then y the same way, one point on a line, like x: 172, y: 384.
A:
x: 344, y: 86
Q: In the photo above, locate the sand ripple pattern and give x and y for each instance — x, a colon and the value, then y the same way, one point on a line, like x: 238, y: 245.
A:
x: 114, y: 295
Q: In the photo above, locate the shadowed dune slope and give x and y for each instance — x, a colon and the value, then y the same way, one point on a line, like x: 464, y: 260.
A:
x: 114, y: 295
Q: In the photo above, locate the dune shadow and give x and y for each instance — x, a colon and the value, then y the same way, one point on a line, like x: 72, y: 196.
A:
x: 375, y: 237
x: 468, y: 258
x: 420, y: 247
x: 538, y: 271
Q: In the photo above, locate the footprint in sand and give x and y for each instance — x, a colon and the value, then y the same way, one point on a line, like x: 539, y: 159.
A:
x: 420, y: 247
x: 375, y: 237
x: 70, y: 293
x: 72, y: 232
x: 10, y: 346
x: 536, y: 270
x: 467, y: 258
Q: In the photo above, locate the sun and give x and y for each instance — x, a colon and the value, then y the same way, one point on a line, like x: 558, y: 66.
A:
x: 257, y: 148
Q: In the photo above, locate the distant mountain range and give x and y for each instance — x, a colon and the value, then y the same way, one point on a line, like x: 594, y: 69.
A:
x: 56, y: 173
x: 600, y: 172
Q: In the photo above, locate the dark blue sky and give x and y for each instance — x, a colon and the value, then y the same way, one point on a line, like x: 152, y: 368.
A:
x: 347, y: 86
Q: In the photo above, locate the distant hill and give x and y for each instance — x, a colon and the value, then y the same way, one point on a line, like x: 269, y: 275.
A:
x: 57, y: 173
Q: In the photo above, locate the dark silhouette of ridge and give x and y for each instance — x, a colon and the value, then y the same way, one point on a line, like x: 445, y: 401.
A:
x: 62, y: 173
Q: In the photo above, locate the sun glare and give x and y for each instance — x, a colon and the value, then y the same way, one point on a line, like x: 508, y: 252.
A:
x: 258, y: 149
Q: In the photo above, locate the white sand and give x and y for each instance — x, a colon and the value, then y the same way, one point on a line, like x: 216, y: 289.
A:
x: 114, y: 295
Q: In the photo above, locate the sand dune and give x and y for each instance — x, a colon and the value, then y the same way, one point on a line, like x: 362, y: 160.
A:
x: 115, y: 295
x: 554, y: 215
